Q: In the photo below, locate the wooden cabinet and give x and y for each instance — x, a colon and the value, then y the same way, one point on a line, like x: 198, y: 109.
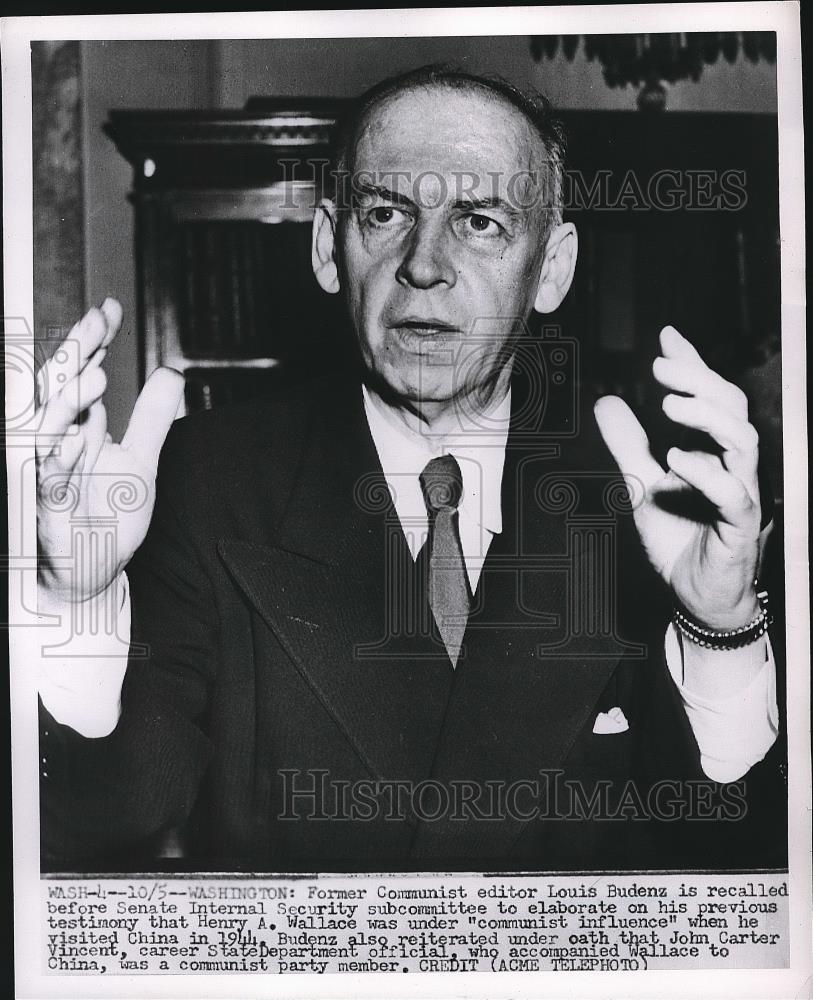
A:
x: 223, y: 207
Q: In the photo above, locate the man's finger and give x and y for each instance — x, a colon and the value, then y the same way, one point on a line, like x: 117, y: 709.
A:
x: 626, y: 440
x: 738, y: 439
x: 712, y: 463
x: 153, y: 413
x: 63, y: 411
x: 699, y: 380
x: 113, y: 313
x: 723, y: 489
x: 90, y: 336
x: 675, y: 345
x: 95, y: 429
x: 730, y: 432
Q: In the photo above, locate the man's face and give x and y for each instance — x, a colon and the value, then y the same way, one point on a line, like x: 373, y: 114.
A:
x: 440, y: 253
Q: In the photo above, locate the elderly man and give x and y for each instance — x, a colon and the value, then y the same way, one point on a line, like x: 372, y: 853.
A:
x: 352, y: 629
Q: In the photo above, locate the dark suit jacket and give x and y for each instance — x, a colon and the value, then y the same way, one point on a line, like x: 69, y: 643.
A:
x: 274, y: 650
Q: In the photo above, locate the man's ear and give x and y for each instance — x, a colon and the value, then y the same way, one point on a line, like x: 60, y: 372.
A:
x: 323, y: 246
x: 558, y: 266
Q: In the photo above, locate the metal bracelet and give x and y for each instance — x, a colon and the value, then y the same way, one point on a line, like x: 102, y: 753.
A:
x: 736, y: 638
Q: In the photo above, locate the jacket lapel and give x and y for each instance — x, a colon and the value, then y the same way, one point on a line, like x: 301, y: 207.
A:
x: 330, y: 587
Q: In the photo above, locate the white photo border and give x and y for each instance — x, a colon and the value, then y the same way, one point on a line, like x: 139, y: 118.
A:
x: 16, y: 34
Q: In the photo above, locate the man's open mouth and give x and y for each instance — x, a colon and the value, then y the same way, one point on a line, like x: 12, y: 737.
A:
x: 430, y: 327
x: 424, y: 335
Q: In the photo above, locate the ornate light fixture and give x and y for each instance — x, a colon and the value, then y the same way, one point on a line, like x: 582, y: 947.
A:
x: 647, y: 61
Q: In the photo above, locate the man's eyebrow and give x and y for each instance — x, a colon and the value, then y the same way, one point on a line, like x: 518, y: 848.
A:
x: 484, y: 204
x: 385, y: 194
x: 462, y: 204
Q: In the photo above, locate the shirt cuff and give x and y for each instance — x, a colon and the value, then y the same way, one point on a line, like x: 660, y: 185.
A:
x: 732, y: 733
x: 81, y: 673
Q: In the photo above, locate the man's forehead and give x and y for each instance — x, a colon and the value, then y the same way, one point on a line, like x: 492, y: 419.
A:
x: 448, y: 131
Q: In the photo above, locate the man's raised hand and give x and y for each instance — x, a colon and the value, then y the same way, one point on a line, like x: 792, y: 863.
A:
x: 710, y: 562
x: 78, y: 464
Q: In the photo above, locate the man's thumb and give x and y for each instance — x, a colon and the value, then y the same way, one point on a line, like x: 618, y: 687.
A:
x: 626, y: 440
x: 153, y: 413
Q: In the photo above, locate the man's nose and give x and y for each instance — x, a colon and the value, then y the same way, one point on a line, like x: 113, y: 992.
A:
x: 427, y: 262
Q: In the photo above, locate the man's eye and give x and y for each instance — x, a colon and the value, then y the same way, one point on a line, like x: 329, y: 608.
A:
x: 385, y: 215
x: 482, y: 224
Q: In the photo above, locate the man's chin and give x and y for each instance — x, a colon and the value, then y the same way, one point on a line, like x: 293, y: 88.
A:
x: 416, y: 388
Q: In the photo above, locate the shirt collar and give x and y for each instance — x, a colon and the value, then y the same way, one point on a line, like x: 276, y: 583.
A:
x: 478, y: 443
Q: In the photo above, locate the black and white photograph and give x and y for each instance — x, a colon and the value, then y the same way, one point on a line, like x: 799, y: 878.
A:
x: 408, y: 546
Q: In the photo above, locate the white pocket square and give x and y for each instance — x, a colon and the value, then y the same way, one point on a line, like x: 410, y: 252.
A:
x: 613, y: 721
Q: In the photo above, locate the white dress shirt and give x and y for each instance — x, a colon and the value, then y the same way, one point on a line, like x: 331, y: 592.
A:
x: 478, y: 446
x: 733, y: 733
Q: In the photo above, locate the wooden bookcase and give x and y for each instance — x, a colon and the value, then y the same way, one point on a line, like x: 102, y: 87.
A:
x: 223, y: 205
